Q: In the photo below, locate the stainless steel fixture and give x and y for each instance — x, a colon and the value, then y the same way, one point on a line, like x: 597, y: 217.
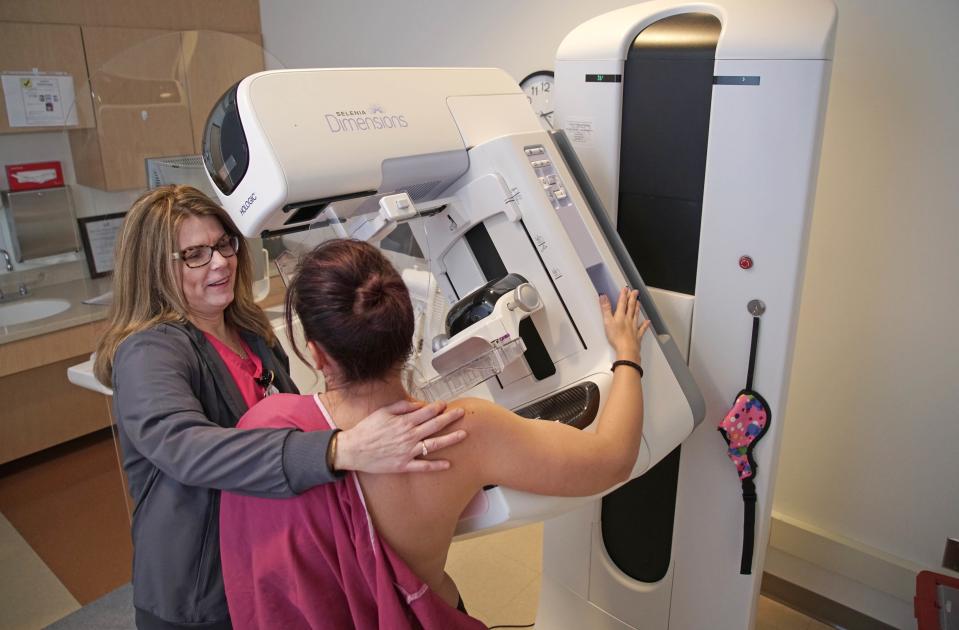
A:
x: 41, y: 222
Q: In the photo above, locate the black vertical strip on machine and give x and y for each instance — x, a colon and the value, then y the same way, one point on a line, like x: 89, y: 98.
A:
x: 637, y: 521
x: 667, y: 93
x: 491, y: 264
x: 536, y: 355
x: 484, y: 251
x: 449, y: 281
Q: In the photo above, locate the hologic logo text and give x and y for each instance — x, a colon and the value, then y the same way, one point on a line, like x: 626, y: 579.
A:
x: 248, y: 203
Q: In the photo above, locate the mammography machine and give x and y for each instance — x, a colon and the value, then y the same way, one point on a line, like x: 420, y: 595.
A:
x: 714, y: 112
x: 507, y: 257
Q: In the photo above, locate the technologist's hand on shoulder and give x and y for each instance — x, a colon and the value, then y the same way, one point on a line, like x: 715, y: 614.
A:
x: 621, y: 328
x: 391, y: 439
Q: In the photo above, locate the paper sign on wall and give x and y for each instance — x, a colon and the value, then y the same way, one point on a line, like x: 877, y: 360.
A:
x: 99, y: 235
x: 39, y: 100
x: 580, y: 131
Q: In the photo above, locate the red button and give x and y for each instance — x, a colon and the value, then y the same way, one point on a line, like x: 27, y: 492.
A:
x: 745, y: 262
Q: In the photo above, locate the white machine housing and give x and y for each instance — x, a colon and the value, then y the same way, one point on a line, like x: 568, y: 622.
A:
x: 492, y: 194
x: 770, y: 76
x: 356, y: 132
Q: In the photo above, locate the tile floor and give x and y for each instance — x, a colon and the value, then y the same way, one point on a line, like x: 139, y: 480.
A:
x: 64, y: 542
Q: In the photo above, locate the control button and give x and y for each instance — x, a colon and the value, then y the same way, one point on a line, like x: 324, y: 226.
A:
x: 745, y: 262
x: 536, y: 151
x: 402, y: 204
x: 560, y: 194
x: 548, y: 180
x: 540, y: 163
x: 530, y: 152
x: 525, y: 298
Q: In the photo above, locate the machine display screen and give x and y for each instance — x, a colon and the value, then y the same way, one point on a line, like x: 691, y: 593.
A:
x: 604, y: 78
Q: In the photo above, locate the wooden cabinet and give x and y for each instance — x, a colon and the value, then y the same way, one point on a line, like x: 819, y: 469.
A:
x: 46, y: 48
x: 140, y: 102
x: 231, y: 16
x: 41, y: 408
x: 152, y: 88
x: 153, y: 92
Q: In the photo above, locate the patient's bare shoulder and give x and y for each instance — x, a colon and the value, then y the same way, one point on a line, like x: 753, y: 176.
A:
x: 474, y: 405
x: 492, y: 431
x: 481, y: 413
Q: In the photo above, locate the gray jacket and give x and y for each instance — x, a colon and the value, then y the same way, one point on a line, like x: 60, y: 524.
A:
x: 175, y: 405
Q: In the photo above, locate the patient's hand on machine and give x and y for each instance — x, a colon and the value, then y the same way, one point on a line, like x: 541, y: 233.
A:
x: 553, y: 458
x: 622, y: 332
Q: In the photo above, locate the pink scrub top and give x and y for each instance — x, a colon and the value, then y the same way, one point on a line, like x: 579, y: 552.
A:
x: 244, y: 371
x: 315, y: 560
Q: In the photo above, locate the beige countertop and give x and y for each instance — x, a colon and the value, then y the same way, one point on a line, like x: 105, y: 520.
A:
x: 77, y: 314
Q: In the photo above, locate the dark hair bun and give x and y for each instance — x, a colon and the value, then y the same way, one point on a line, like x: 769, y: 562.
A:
x: 370, y: 295
x: 353, y: 303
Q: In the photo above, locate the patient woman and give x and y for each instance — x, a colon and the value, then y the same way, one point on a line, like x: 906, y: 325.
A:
x: 369, y: 551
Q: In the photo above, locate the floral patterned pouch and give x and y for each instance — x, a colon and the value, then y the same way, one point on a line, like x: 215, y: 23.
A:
x: 745, y: 423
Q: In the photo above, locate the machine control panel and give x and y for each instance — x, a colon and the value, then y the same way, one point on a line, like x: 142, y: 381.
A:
x: 548, y: 177
x: 571, y: 218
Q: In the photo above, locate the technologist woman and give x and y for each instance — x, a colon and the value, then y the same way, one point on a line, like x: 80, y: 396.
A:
x: 187, y: 352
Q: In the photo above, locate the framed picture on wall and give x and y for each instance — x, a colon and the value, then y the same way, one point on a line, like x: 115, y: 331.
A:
x: 99, y: 236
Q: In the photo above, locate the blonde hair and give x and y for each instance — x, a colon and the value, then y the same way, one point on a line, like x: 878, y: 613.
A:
x: 146, y: 291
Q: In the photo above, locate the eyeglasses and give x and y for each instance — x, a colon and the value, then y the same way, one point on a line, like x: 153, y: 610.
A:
x: 201, y: 255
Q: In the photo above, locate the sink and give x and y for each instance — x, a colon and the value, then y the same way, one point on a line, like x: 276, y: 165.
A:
x: 29, y: 310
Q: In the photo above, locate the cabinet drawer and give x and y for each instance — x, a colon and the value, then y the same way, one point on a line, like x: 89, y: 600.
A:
x: 41, y: 408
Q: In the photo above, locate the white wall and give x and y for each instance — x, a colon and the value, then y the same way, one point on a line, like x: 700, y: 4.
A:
x: 870, y: 457
x: 518, y: 36
x: 875, y: 389
x: 871, y: 447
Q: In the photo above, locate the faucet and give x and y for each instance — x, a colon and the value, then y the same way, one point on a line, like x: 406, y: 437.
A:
x: 23, y: 288
x: 6, y: 258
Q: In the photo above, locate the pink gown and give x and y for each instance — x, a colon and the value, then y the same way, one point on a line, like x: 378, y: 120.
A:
x: 315, y: 561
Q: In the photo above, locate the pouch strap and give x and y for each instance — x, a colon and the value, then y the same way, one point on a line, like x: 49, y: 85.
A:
x: 749, y: 526
x: 752, y: 354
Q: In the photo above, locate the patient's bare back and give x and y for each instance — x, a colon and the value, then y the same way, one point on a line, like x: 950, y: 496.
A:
x: 416, y: 513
